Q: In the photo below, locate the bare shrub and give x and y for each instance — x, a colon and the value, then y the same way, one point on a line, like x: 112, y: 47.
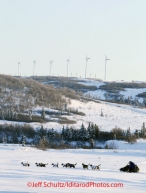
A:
x: 118, y: 132
x: 111, y: 145
x: 131, y: 139
x: 26, y: 93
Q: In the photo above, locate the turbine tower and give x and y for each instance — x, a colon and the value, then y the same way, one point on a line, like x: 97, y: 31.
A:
x: 105, y: 66
x: 18, y: 68
x: 34, y: 67
x: 51, y: 61
x: 67, y: 66
x: 86, y: 65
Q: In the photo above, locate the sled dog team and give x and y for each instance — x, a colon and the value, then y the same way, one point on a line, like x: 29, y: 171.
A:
x: 66, y: 165
x: 130, y: 167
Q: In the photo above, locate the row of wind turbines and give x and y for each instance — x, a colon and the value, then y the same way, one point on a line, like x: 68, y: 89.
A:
x: 68, y: 61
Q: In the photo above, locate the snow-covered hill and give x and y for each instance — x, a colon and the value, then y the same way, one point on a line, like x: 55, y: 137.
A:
x: 122, y: 116
x: 115, y: 115
x: 127, y: 92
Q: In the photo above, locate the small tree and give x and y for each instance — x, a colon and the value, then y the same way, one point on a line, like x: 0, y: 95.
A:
x: 43, y: 113
x: 106, y: 146
x: 12, y: 112
x: 106, y: 96
x: 63, y: 131
x: 101, y: 114
x: 111, y: 145
x: 65, y: 106
x: 144, y: 101
x: 143, y: 130
x: 136, y: 102
x: 136, y: 133
x: 129, y: 137
x: 129, y: 100
x: 23, y: 140
x: 114, y: 137
x: 52, y: 134
x: 15, y: 115
x: 70, y: 134
x: 82, y: 132
x: 43, y: 143
x: 97, y: 132
x: 4, y: 139
x: 2, y: 115
x: 122, y: 100
x: 128, y: 133
x: 30, y: 114
x: 92, y: 143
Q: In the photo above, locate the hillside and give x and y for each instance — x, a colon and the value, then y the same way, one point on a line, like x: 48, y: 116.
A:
x: 35, y: 104
x: 96, y: 86
x: 21, y: 93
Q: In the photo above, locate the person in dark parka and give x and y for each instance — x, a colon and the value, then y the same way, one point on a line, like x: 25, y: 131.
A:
x: 131, y: 166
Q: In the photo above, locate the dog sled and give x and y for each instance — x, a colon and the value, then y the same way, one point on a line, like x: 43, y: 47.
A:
x: 135, y: 169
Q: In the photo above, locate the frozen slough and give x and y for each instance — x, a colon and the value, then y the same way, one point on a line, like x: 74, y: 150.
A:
x: 18, y: 176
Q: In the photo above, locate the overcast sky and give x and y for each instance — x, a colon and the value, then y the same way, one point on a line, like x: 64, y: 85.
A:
x: 71, y: 29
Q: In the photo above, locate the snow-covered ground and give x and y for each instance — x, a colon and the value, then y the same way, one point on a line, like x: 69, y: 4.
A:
x: 100, y: 94
x: 16, y: 178
x: 122, y: 116
x: 133, y: 93
x: 115, y: 115
x: 91, y: 82
x: 96, y: 93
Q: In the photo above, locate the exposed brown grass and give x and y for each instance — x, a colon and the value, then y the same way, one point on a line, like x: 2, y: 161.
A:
x: 27, y: 93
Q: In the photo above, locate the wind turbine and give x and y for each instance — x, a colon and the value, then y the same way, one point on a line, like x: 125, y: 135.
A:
x: 67, y: 66
x: 34, y: 67
x: 86, y: 65
x: 51, y: 61
x: 106, y: 59
x: 18, y: 68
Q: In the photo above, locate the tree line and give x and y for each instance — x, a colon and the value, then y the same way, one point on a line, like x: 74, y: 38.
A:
x: 26, y: 134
